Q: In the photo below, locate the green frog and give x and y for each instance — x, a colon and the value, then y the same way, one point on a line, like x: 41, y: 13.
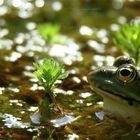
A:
x: 119, y: 85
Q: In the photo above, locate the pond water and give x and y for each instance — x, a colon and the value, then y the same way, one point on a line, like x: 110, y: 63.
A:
x: 78, y: 33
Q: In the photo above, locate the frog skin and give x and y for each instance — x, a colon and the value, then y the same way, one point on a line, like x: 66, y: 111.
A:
x: 119, y: 85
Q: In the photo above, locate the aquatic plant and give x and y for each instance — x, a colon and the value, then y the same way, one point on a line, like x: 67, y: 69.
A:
x: 48, y: 72
x: 127, y: 39
x: 49, y: 32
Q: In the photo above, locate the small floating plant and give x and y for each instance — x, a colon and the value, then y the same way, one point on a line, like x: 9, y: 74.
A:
x: 48, y: 72
x: 127, y: 39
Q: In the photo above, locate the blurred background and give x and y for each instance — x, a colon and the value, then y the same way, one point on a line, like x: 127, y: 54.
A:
x: 25, y: 24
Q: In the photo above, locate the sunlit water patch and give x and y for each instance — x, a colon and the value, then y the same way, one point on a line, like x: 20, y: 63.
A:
x: 63, y: 121
x: 11, y: 121
x: 36, y: 118
x: 85, y: 30
x: 67, y: 50
x: 72, y: 137
x: 1, y: 90
x: 100, y: 48
x: 6, y: 44
x: 85, y: 95
x: 57, y: 6
x: 67, y: 53
x: 13, y: 89
x: 17, y: 102
x: 101, y: 60
x: 34, y: 42
x: 3, y: 10
x: 13, y: 56
x: 100, y: 115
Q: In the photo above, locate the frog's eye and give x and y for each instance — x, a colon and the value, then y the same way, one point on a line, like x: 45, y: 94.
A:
x: 126, y: 74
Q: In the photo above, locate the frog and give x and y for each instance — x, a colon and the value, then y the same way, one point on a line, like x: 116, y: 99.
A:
x: 119, y: 86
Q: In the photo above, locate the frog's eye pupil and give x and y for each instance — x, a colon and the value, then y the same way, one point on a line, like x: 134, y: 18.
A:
x: 125, y: 72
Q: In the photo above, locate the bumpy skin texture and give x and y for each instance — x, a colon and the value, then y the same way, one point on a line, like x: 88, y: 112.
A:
x: 109, y: 79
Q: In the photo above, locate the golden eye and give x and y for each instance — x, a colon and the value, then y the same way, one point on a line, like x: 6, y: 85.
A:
x: 126, y: 74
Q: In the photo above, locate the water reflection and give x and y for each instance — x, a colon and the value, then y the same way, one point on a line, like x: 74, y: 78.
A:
x: 6, y: 44
x: 16, y: 102
x: 122, y: 19
x: 31, y: 25
x: 63, y: 121
x: 100, y: 115
x: 3, y: 10
x: 11, y: 121
x: 13, y: 56
x: 57, y: 6
x: 101, y: 60
x: 1, y: 2
x: 3, y: 32
x: 114, y: 27
x: 76, y: 79
x: 24, y: 8
x: 85, y: 30
x: 35, y: 87
x: 1, y: 90
x: 72, y: 137
x: 13, y: 89
x: 39, y: 3
x: 118, y: 4
x: 100, y: 48
x: 85, y: 95
x: 33, y: 108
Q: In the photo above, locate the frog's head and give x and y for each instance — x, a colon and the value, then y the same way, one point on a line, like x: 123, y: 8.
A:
x: 119, y: 85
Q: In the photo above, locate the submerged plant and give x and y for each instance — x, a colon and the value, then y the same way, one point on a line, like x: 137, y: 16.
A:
x: 127, y: 39
x: 48, y: 72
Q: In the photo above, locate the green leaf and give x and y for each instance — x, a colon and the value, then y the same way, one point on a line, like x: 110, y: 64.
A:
x: 48, y: 72
x: 63, y: 75
x: 127, y: 39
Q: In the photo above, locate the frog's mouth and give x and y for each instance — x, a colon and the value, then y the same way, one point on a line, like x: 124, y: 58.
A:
x: 114, y: 96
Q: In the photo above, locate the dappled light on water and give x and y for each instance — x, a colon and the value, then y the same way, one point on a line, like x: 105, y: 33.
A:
x: 11, y: 121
